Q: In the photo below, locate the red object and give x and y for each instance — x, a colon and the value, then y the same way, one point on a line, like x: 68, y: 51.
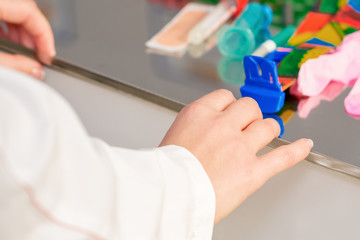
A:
x: 171, y: 4
x: 286, y: 82
x: 349, y: 16
x: 313, y: 22
x: 241, y: 4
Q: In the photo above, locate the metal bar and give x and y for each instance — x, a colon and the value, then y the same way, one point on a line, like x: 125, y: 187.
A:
x: 85, y: 74
x: 323, y: 160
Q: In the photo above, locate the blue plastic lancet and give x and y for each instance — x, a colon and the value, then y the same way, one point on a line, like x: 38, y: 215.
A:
x: 263, y: 86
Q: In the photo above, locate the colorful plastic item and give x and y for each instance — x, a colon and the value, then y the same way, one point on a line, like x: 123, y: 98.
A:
x: 240, y: 6
x: 340, y: 65
x: 265, y: 87
x: 279, y: 54
x: 312, y: 24
x: 350, y: 14
x: 314, y: 53
x: 355, y: 4
x: 328, y: 36
x: 289, y: 66
x: 249, y: 30
x: 278, y: 40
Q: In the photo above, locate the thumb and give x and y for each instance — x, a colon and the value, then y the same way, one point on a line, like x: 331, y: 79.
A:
x: 22, y: 64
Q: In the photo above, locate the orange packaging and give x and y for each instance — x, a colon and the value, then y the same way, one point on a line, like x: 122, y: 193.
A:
x: 173, y: 38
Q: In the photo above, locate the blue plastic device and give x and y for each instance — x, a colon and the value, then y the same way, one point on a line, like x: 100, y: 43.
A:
x: 264, y: 87
x: 278, y: 119
x: 277, y: 56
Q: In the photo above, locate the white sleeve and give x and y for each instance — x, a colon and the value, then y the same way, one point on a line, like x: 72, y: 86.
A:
x: 81, y: 182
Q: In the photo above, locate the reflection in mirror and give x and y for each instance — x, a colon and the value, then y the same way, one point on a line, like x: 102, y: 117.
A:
x: 62, y: 17
x: 199, y: 50
x: 307, y: 104
x: 231, y: 70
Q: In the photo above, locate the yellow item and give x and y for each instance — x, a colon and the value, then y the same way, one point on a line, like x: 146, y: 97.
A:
x: 300, y: 38
x: 314, y: 53
x: 342, y: 3
x: 329, y: 34
x: 287, y: 115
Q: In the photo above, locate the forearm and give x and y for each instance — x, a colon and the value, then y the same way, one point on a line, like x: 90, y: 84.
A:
x: 84, y: 183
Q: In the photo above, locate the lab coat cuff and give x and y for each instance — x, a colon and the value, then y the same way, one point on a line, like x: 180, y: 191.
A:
x: 203, y: 213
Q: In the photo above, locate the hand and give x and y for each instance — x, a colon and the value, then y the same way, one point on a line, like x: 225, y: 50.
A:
x: 225, y: 136
x: 27, y: 26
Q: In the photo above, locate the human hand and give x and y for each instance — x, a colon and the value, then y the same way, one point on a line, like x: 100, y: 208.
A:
x: 225, y: 135
x: 26, y: 25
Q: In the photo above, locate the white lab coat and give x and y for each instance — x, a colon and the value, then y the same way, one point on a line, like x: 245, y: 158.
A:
x: 56, y: 182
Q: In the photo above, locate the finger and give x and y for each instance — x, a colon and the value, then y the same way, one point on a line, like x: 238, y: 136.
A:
x: 218, y: 100
x: 22, y: 64
x: 261, y: 132
x: 2, y: 34
x: 246, y: 110
x: 27, y: 15
x: 4, y: 30
x: 26, y: 39
x: 283, y: 157
x: 13, y: 34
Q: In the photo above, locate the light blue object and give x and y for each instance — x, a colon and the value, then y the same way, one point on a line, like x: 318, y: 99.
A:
x: 355, y: 4
x: 249, y: 30
x: 284, y: 35
x: 231, y: 70
x: 264, y: 87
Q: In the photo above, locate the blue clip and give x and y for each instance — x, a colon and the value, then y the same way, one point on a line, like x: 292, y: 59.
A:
x: 265, y: 87
x: 278, y: 119
x: 277, y: 56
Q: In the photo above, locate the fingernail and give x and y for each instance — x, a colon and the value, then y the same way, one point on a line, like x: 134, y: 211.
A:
x: 38, y: 73
x: 310, y: 143
x: 52, y: 52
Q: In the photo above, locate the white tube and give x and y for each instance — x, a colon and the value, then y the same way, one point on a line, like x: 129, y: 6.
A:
x: 265, y: 48
x: 217, y: 17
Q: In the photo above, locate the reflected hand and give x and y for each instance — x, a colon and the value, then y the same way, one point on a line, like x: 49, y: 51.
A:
x: 225, y: 135
x: 26, y: 25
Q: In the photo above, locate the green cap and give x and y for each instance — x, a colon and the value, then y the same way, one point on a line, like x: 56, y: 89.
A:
x: 284, y: 35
